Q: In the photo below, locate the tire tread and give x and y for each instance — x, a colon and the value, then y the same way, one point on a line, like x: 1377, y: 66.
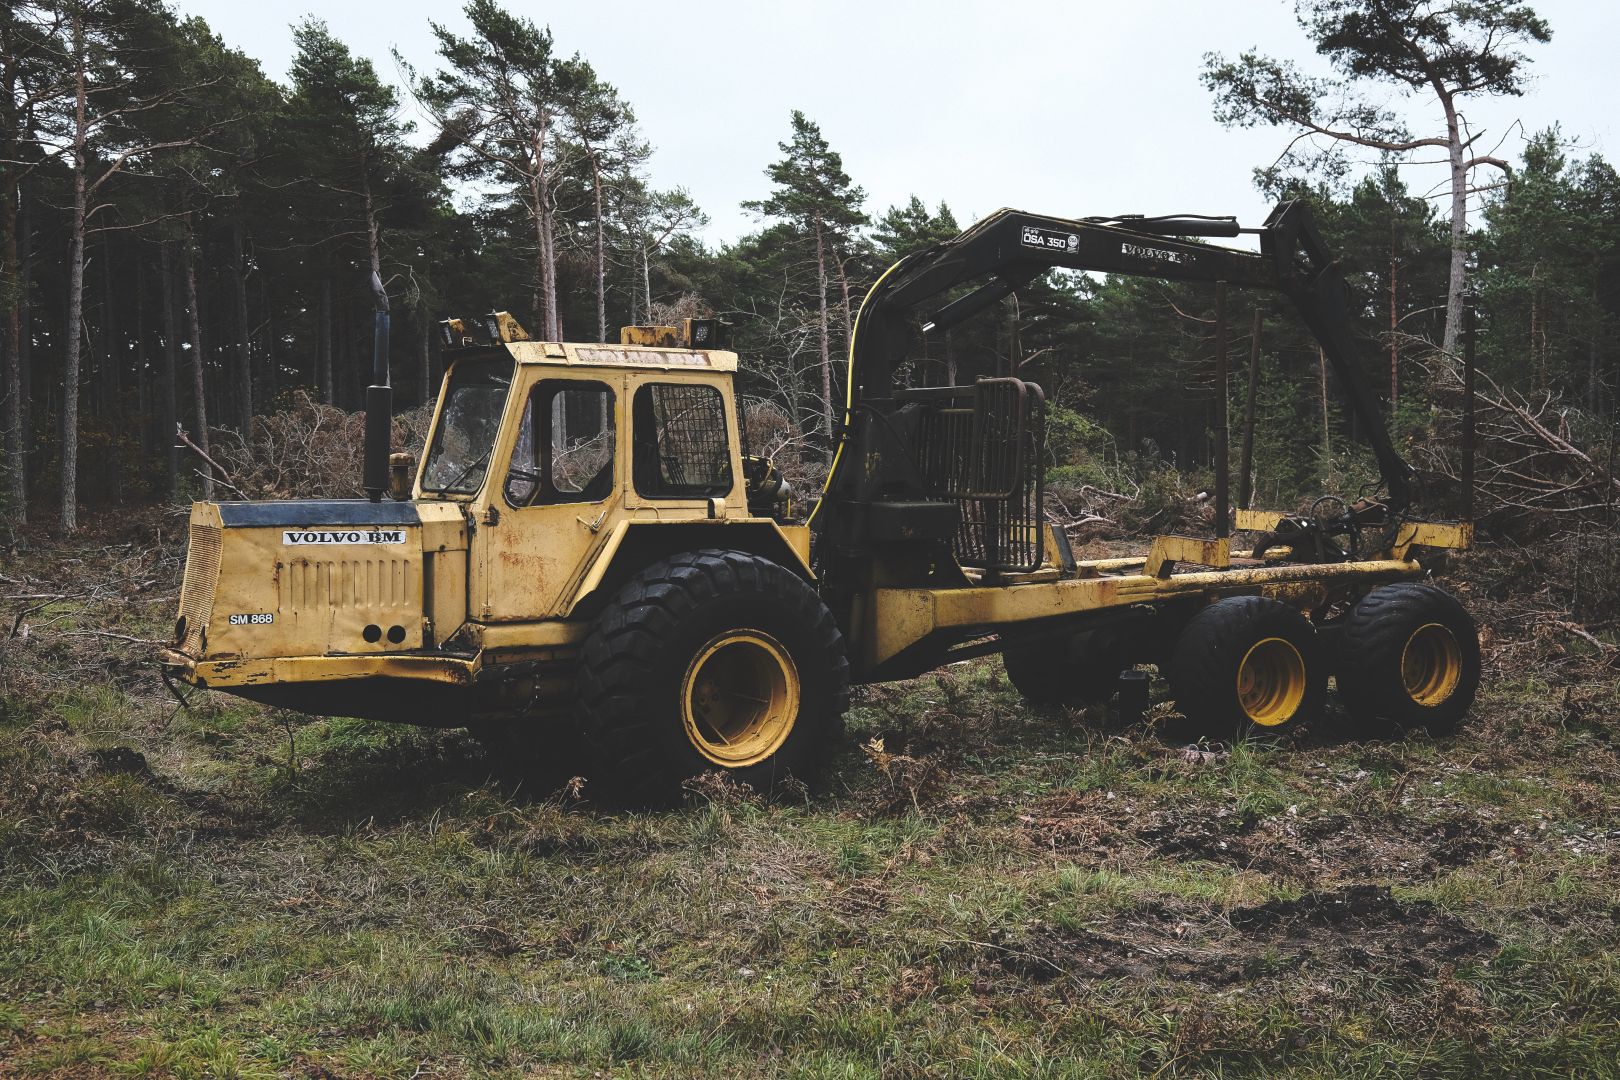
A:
x: 1207, y: 653
x: 616, y: 721
x: 1375, y: 632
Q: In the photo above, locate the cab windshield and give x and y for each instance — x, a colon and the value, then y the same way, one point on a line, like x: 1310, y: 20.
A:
x: 464, y: 440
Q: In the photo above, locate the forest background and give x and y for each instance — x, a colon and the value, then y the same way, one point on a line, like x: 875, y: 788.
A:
x: 187, y: 244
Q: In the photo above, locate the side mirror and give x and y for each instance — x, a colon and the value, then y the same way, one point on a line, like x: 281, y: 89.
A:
x: 401, y: 472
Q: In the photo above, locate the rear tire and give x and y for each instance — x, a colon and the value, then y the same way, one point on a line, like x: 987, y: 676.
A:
x: 1246, y: 666
x: 1074, y: 669
x: 710, y: 661
x: 1408, y: 658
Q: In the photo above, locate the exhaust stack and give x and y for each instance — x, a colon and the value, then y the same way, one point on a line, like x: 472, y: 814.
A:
x: 379, y: 400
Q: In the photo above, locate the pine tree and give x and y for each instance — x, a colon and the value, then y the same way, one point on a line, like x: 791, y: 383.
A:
x: 651, y: 221
x: 1551, y: 275
x: 344, y: 144
x: 603, y: 126
x: 904, y: 229
x: 1390, y: 244
x: 816, y: 198
x: 30, y: 75
x: 1450, y: 51
x: 498, y: 101
x: 89, y: 128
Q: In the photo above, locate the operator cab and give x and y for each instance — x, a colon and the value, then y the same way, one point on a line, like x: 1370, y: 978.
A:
x: 549, y: 446
x: 561, y: 418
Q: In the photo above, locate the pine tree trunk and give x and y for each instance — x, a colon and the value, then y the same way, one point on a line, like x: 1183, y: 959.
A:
x: 826, y: 355
x: 1394, y: 325
x: 1459, y: 228
x: 168, y: 410
x: 110, y: 379
x: 540, y: 308
x: 427, y: 357
x: 373, y: 235
x: 549, y: 284
x: 634, y: 292
x: 143, y: 392
x: 342, y: 347
x: 646, y: 284
x: 75, y: 300
x: 1537, y: 356
x: 1594, y: 377
x: 15, y: 444
x: 1246, y: 451
x: 25, y: 344
x: 601, y: 250
x: 546, y: 278
x: 199, y: 383
x: 271, y: 370
x: 244, y: 352
x: 374, y: 253
x: 553, y: 309
x: 323, y: 351
x: 849, y: 315
x: 73, y: 342
x: 1327, y: 436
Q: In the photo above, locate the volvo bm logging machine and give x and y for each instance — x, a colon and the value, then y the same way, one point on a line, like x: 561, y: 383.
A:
x: 586, y: 551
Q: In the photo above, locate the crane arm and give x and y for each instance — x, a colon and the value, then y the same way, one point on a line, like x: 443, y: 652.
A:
x: 1010, y: 248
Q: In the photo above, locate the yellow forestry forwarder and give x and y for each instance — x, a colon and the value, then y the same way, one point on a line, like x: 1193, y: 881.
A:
x: 586, y: 553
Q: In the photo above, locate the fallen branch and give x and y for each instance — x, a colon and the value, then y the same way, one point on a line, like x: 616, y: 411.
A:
x: 1529, y: 462
x: 1585, y: 635
x: 222, y: 483
x: 110, y: 634
x: 17, y: 623
x: 223, y: 477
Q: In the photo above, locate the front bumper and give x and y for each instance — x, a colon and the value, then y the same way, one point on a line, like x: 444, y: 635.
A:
x: 232, y: 674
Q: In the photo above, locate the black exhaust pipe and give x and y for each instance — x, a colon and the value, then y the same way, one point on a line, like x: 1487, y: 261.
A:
x: 379, y: 400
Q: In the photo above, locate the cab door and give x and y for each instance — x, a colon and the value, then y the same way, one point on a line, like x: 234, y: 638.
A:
x: 559, y: 487
x: 684, y: 462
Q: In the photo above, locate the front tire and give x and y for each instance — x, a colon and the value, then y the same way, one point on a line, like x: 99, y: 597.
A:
x: 1246, y: 665
x: 1408, y: 658
x: 710, y: 661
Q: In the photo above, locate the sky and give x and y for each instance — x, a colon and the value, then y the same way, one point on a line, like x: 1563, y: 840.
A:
x: 1066, y: 108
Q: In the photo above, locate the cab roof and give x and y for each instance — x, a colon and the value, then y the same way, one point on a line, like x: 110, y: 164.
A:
x: 656, y: 347
x: 635, y: 357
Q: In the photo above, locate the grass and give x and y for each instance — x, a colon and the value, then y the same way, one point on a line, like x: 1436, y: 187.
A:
x: 227, y: 891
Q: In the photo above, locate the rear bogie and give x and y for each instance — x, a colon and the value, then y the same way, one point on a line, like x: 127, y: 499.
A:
x: 1403, y: 656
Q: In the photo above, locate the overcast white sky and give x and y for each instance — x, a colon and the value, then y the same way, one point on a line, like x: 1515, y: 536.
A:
x: 1071, y: 108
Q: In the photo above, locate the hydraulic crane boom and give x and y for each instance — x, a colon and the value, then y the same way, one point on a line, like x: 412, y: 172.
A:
x: 1010, y: 248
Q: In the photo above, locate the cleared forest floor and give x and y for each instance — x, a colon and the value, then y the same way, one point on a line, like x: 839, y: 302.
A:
x: 997, y: 891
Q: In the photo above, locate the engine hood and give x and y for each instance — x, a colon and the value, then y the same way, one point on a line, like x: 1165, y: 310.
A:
x: 321, y: 577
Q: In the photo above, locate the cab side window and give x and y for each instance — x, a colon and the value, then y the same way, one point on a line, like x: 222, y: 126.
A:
x: 565, y: 448
x: 681, y: 447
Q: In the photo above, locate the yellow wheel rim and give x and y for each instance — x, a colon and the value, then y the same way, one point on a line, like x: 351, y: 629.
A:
x: 1431, y: 664
x: 1271, y: 681
x: 740, y: 698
